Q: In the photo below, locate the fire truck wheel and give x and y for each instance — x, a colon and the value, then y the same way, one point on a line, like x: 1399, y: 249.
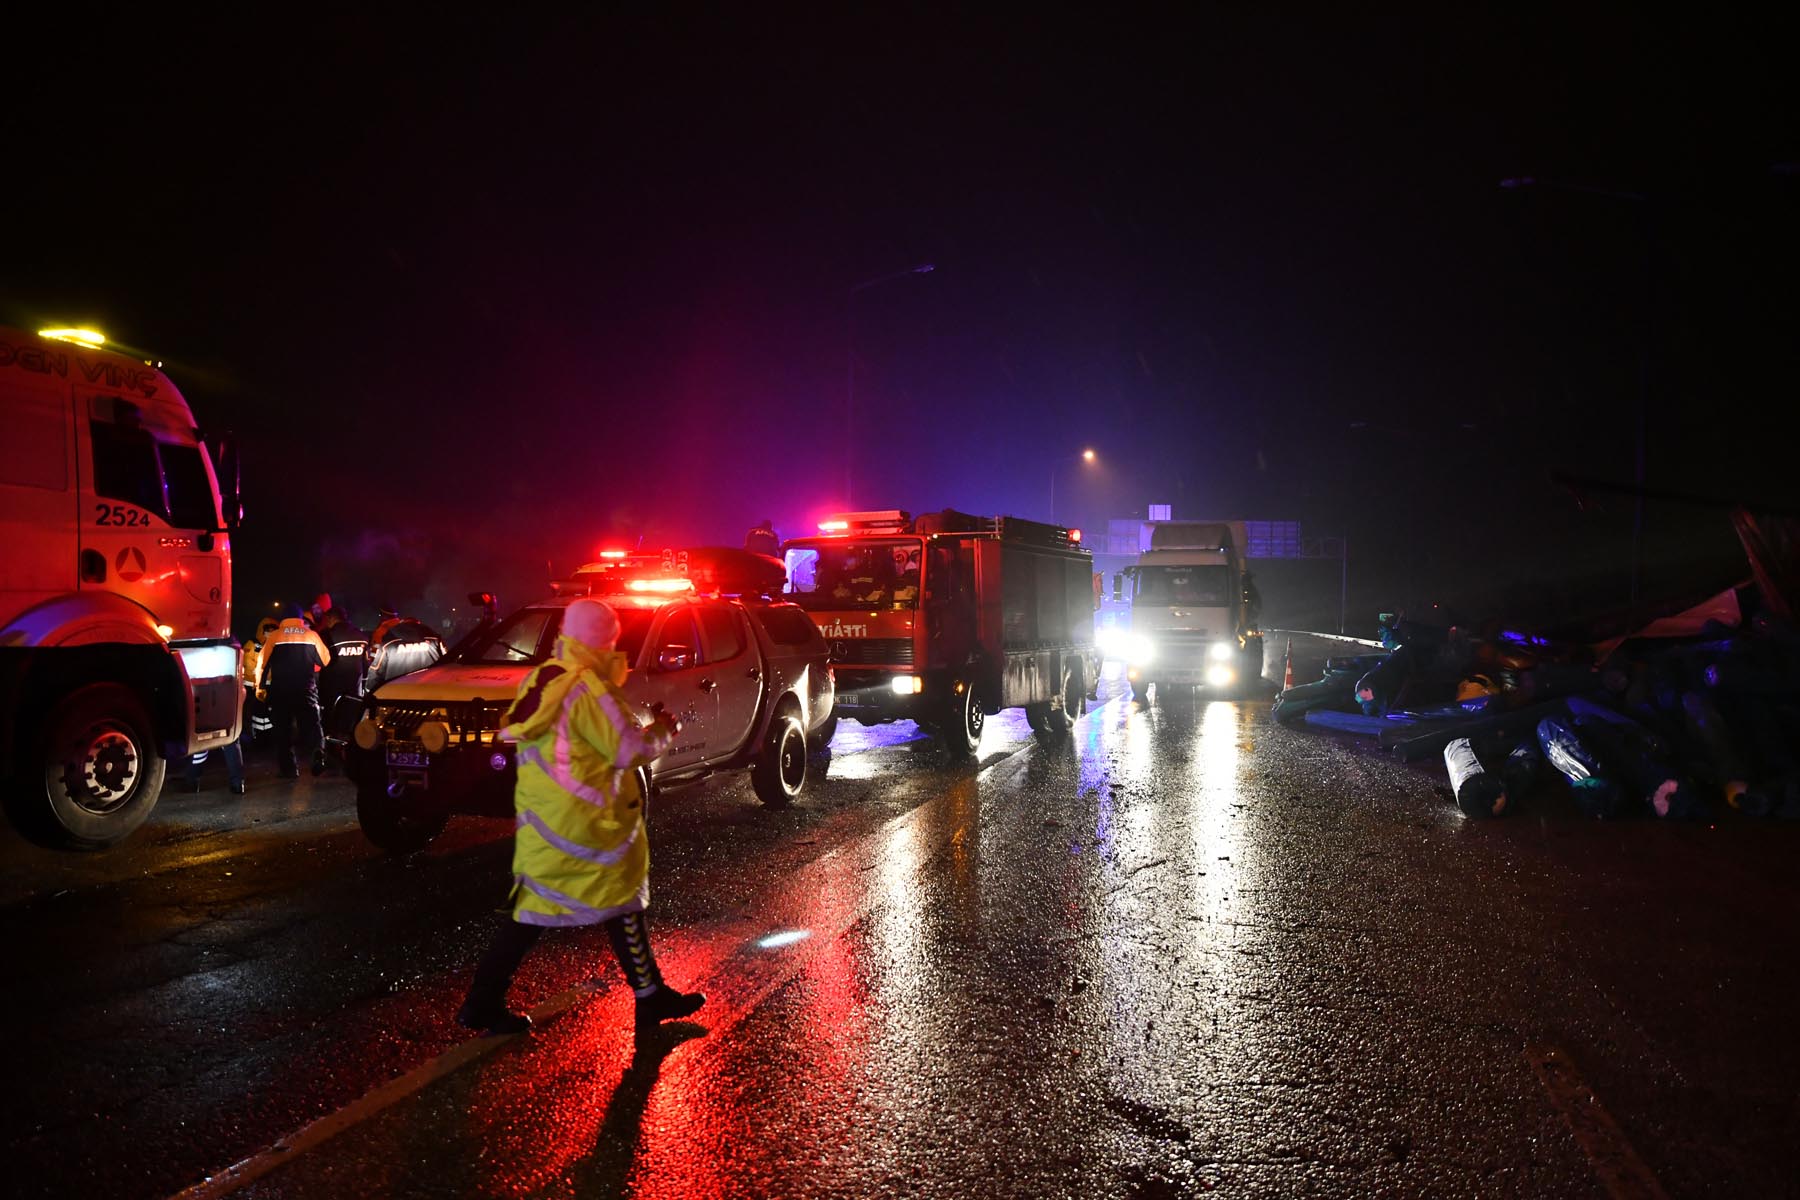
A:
x: 820, y: 741
x: 960, y: 727
x: 780, y: 770
x: 1140, y: 691
x: 102, y: 769
x: 397, y: 824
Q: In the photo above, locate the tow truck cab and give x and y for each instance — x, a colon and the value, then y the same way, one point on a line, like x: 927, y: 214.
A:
x: 950, y: 618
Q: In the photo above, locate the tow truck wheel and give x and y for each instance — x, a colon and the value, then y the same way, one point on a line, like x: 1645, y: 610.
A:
x: 102, y: 770
x: 961, y: 726
x: 780, y: 770
x: 398, y: 824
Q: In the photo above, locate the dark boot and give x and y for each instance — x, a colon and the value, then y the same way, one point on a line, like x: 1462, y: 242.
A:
x: 485, y: 1008
x: 656, y: 1001
x: 666, y: 1004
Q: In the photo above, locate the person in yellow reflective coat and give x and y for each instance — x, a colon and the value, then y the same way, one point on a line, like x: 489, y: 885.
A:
x: 581, y: 855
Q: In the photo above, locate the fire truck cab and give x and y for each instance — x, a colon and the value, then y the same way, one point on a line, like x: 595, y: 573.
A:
x: 115, y: 587
x: 948, y: 619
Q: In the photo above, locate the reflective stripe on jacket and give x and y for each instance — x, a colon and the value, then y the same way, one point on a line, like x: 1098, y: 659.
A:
x: 580, y: 853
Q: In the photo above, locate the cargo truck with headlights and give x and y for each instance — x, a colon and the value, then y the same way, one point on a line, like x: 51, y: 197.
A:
x: 948, y: 619
x: 1191, y: 624
x: 115, y: 587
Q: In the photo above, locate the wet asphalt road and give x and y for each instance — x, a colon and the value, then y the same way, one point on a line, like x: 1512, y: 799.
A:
x: 1183, y: 952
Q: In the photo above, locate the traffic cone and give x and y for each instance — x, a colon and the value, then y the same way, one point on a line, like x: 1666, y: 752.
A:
x: 1287, y: 674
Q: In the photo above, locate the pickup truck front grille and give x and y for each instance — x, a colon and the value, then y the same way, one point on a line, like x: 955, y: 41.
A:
x: 872, y: 652
x: 469, y: 720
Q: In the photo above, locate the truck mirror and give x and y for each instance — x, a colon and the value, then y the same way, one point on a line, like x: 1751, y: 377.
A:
x: 231, y: 482
x: 1118, y: 587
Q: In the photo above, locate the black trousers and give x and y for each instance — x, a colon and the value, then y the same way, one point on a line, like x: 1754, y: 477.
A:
x: 629, y: 935
x: 288, y: 711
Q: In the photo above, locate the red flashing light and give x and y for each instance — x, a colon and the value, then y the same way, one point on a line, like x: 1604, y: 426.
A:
x: 833, y: 526
x: 1075, y: 535
x: 612, y: 554
x: 666, y: 587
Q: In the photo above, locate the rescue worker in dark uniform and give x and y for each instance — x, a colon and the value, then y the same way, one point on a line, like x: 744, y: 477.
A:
x: 291, y: 661
x: 343, y: 675
x: 762, y: 539
x: 399, y: 646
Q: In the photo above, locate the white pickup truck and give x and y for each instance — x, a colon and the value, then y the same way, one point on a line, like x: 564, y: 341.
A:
x: 748, y: 678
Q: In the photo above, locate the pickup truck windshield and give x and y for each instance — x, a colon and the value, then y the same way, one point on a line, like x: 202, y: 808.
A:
x: 1207, y: 586
x: 529, y: 635
x: 878, y: 574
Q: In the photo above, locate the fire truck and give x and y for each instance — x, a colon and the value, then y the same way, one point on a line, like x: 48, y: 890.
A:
x: 115, y: 587
x: 948, y: 619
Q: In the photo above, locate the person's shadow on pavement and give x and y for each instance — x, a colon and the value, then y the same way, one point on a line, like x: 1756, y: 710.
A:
x: 604, y: 1172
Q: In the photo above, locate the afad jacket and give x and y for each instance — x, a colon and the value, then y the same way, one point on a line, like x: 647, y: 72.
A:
x: 292, y: 659
x: 580, y: 853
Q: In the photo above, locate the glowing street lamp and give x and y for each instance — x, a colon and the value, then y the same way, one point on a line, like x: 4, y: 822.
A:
x: 1086, y: 456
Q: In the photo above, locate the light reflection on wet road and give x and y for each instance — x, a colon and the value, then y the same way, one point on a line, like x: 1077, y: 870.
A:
x: 1181, y: 951
x: 1045, y: 980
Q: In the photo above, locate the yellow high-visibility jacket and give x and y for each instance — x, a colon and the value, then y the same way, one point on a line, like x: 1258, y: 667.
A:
x: 580, y: 851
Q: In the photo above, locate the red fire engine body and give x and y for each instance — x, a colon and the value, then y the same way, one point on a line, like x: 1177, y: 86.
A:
x: 948, y: 619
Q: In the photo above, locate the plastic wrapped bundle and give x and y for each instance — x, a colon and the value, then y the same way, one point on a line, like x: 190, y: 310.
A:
x: 1523, y: 771
x: 1335, y: 691
x: 1723, y: 763
x: 1479, y: 793
x: 1377, y: 689
x: 1595, y: 795
x: 1638, y: 758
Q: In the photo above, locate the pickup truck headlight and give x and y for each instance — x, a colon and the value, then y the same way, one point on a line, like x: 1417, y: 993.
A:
x: 1221, y: 652
x: 434, y: 736
x: 1217, y: 676
x: 1139, y: 649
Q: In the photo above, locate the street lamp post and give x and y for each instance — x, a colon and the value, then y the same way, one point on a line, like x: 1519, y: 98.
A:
x: 1520, y: 182
x: 850, y: 368
x: 1084, y: 456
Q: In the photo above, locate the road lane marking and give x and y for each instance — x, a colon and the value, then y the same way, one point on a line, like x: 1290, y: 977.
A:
x: 1615, y: 1162
x: 324, y: 1128
x: 784, y: 968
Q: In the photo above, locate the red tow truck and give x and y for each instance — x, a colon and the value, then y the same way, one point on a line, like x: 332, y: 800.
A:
x: 947, y: 619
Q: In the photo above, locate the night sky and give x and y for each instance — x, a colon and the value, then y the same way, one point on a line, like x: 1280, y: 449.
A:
x: 478, y: 295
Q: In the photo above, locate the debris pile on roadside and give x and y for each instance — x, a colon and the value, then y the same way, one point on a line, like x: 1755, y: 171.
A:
x: 1693, y: 711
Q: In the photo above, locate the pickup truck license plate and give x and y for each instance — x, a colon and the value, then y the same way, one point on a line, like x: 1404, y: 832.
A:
x: 407, y: 758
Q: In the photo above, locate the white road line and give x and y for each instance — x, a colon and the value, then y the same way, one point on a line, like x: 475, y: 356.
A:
x: 1616, y: 1163
x: 322, y: 1129
x: 357, y: 1111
